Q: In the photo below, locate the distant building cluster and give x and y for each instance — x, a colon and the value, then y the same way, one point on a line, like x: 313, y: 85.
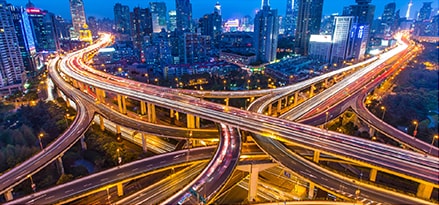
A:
x: 165, y: 40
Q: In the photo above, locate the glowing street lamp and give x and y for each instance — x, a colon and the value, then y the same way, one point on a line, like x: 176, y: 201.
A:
x: 40, y: 136
x: 384, y: 112
x: 416, y: 128
x: 435, y: 137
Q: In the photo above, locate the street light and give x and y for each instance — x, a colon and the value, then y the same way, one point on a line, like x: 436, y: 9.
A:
x: 41, y: 135
x: 326, y: 120
x: 119, y: 158
x: 384, y: 112
x: 32, y: 184
x: 67, y: 117
x: 432, y: 142
x: 416, y: 128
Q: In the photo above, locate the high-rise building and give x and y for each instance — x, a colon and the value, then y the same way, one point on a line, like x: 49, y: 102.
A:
x: 343, y: 38
x: 122, y: 18
x: 158, y: 11
x: 407, y: 14
x: 26, y: 41
x: 141, y: 26
x: 197, y: 48
x: 184, y: 25
x: 363, y: 10
x: 425, y: 12
x: 78, y: 17
x: 211, y: 24
x: 172, y: 20
x: 11, y: 62
x: 217, y: 8
x: 266, y: 33
x: 43, y: 24
x: 388, y: 19
x: 290, y: 21
x: 308, y: 23
x: 184, y: 15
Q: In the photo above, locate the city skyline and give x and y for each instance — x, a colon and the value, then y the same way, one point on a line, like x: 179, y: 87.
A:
x: 93, y: 8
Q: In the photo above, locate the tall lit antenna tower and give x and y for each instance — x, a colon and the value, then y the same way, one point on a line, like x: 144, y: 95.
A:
x: 407, y: 15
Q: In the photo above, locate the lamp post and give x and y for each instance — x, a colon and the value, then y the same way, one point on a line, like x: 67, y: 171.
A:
x: 416, y: 128
x: 67, y: 117
x: 32, y: 184
x: 119, y: 158
x: 384, y: 112
x: 432, y: 142
x: 40, y: 136
x: 147, y: 78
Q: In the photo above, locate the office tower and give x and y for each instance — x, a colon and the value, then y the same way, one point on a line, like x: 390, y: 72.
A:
x: 78, y: 17
x: 407, y: 14
x: 11, y: 63
x: 158, y: 11
x: 425, y: 12
x: 388, y: 19
x: 217, y: 8
x: 184, y: 15
x: 197, y: 48
x: 211, y: 24
x: 363, y: 10
x: 43, y: 25
x: 122, y: 18
x: 172, y: 20
x: 343, y: 38
x: 26, y: 42
x: 141, y: 26
x: 266, y: 33
x: 62, y: 28
x: 290, y: 21
x: 308, y: 23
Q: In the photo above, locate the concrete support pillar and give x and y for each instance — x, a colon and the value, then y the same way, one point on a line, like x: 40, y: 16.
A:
x: 373, y: 174
x: 227, y: 101
x: 75, y: 83
x: 190, y: 121
x: 279, y: 105
x: 144, y: 143
x: 124, y: 104
x: 371, y: 131
x: 101, y: 123
x: 83, y: 144
x: 151, y: 113
x: 326, y: 83
x: 8, y: 195
x: 296, y: 98
x: 316, y: 157
x: 270, y: 107
x: 171, y: 113
x: 60, y: 165
x: 311, y: 190
x: 252, y: 99
x: 142, y: 107
x: 311, y: 91
x: 118, y: 132
x: 100, y: 95
x: 253, y: 186
x: 286, y: 101
x: 197, y: 122
x: 119, y: 189
x: 177, y: 116
x: 424, y: 191
x: 119, y: 103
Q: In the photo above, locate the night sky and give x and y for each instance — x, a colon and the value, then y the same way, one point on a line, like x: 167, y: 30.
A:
x: 230, y: 8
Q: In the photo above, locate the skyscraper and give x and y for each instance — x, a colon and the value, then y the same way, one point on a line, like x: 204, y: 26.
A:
x: 407, y: 14
x: 388, y: 19
x: 122, y: 18
x: 291, y: 17
x: 184, y: 15
x: 425, y: 12
x: 308, y: 22
x: 11, y: 63
x: 141, y: 26
x: 343, y: 38
x: 26, y: 41
x: 266, y: 33
x: 217, y: 8
x: 78, y: 17
x: 158, y: 11
x: 211, y: 24
x: 363, y: 10
x: 172, y: 20
x: 43, y: 24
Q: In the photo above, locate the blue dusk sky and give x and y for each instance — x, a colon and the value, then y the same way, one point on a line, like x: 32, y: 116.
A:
x: 230, y: 8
